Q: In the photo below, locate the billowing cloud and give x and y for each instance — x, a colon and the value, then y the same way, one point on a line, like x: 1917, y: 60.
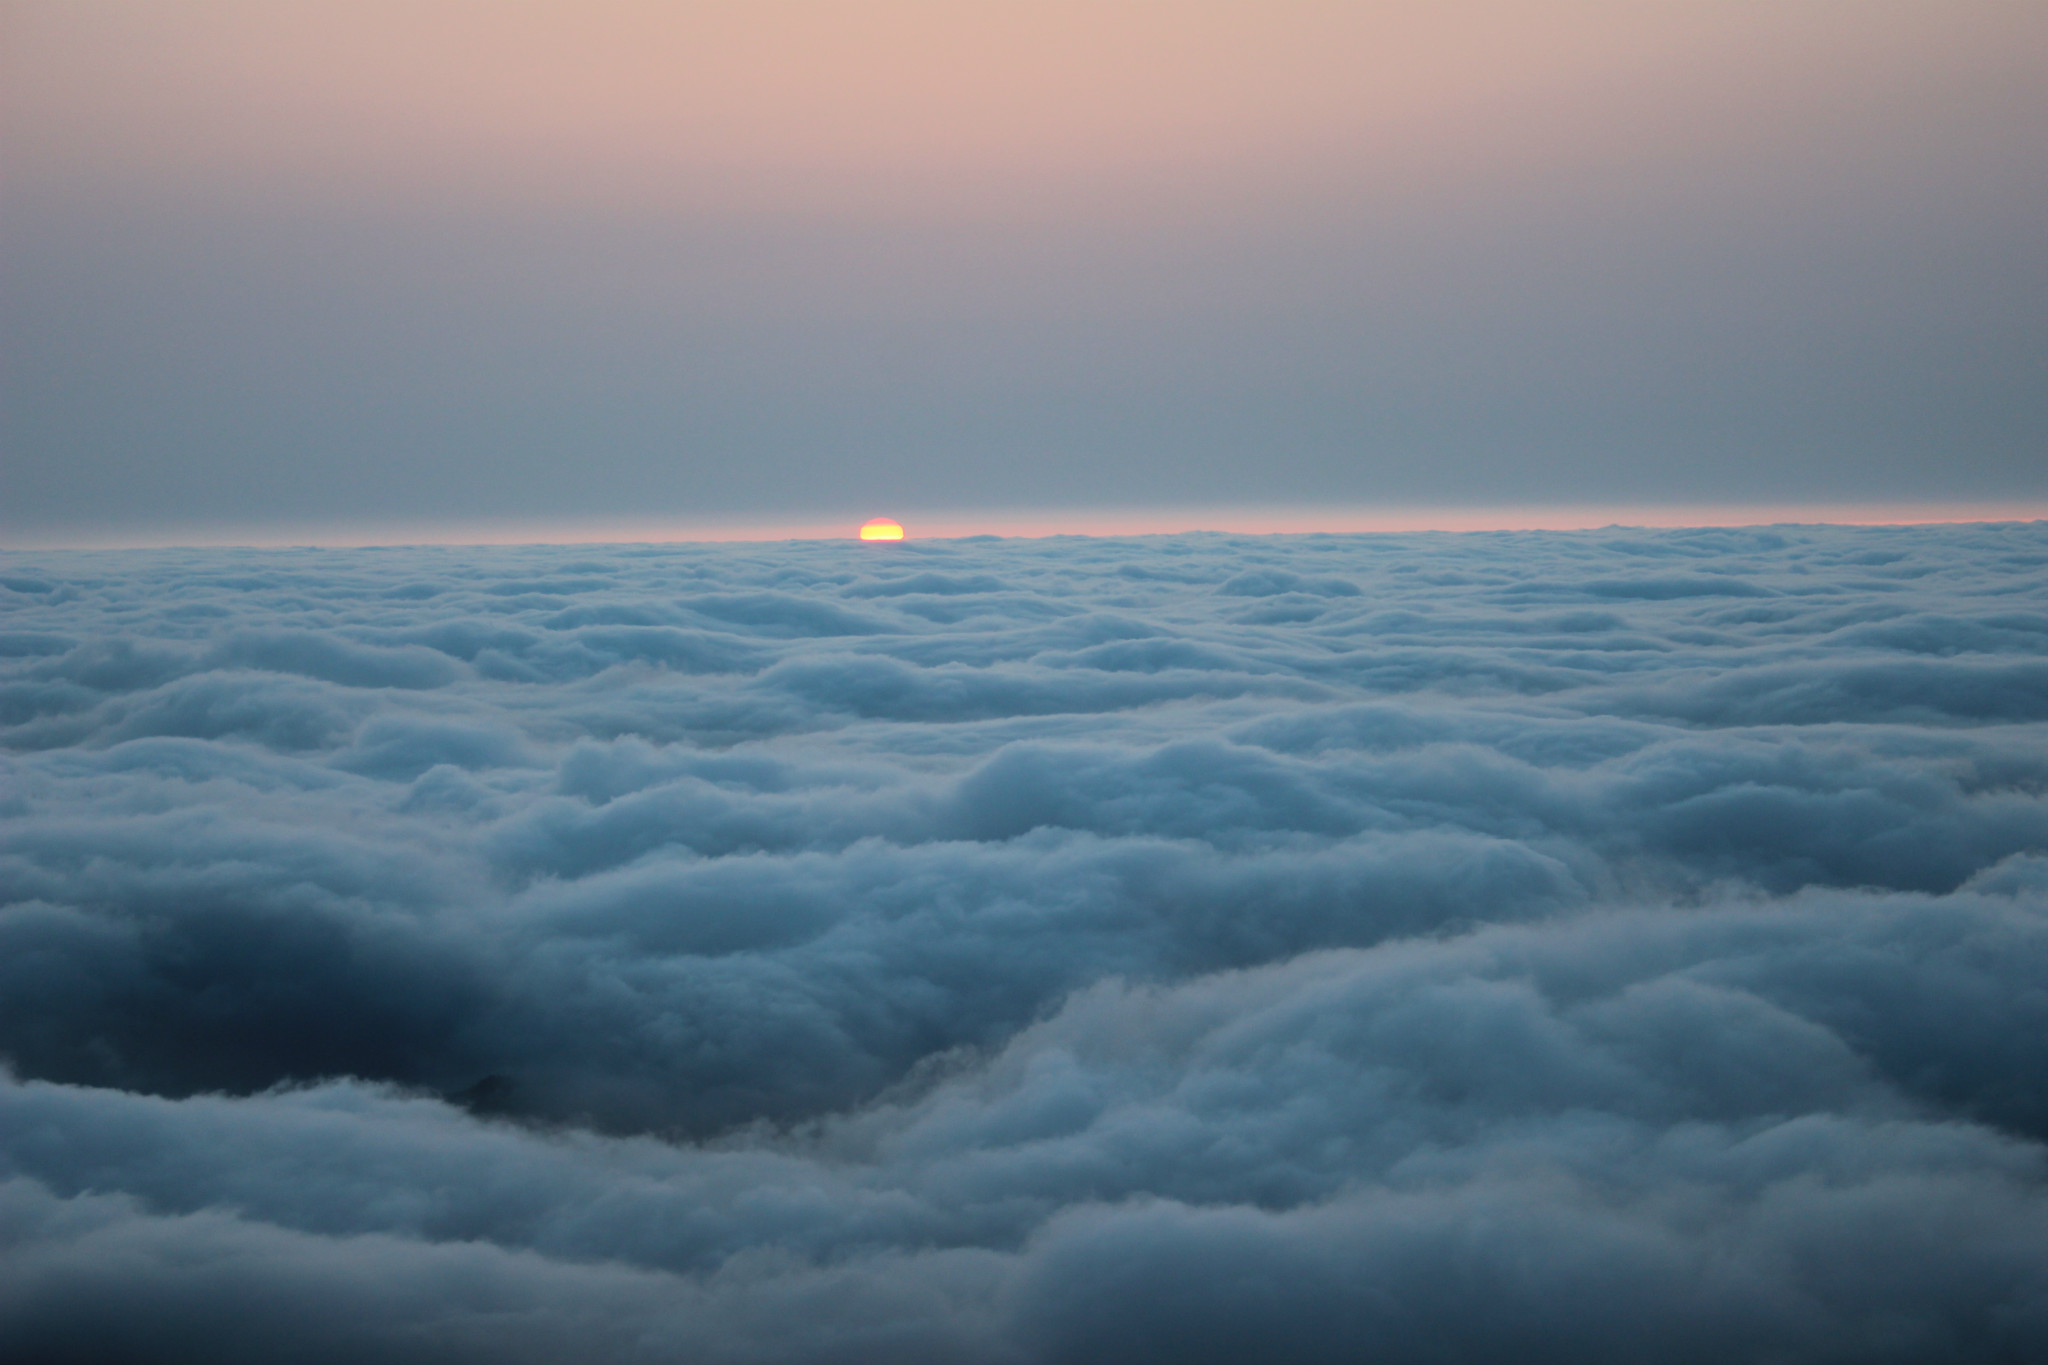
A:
x: 1595, y: 946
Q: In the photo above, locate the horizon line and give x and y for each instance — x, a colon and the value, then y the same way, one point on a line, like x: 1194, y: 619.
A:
x: 367, y: 533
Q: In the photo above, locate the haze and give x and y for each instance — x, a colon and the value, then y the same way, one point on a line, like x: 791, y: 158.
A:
x: 455, y: 264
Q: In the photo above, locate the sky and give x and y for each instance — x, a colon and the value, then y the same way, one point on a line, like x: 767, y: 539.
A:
x: 1594, y: 947
x: 1453, y: 768
x: 281, y: 271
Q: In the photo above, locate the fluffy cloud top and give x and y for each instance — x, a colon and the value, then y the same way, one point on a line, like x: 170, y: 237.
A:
x: 1584, y: 947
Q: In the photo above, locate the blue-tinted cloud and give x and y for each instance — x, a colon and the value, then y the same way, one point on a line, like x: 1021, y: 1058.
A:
x: 1200, y: 948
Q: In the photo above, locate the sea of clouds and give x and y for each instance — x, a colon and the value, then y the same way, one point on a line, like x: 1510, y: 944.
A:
x: 1607, y: 946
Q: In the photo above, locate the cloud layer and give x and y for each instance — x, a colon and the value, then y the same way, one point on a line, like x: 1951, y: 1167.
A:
x: 1596, y: 946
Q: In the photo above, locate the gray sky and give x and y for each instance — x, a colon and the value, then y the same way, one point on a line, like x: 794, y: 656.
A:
x: 324, y: 263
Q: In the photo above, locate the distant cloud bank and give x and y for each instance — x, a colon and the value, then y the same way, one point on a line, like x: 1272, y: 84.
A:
x: 1598, y: 946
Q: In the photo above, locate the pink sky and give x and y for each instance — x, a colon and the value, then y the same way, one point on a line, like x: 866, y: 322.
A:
x: 897, y: 108
x: 465, y: 264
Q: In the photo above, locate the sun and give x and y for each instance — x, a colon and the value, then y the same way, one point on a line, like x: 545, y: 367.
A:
x: 881, y: 528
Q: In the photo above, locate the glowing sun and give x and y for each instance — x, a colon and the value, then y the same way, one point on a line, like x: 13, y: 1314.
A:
x: 881, y: 528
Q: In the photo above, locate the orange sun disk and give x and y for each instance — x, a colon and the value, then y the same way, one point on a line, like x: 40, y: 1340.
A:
x: 881, y: 528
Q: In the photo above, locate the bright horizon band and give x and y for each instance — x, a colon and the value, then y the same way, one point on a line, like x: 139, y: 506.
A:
x: 943, y: 524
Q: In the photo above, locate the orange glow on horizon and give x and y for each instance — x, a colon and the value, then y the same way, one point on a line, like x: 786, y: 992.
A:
x: 881, y: 528
x: 941, y: 525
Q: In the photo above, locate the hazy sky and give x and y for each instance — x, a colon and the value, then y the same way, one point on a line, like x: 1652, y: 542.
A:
x: 334, y: 262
